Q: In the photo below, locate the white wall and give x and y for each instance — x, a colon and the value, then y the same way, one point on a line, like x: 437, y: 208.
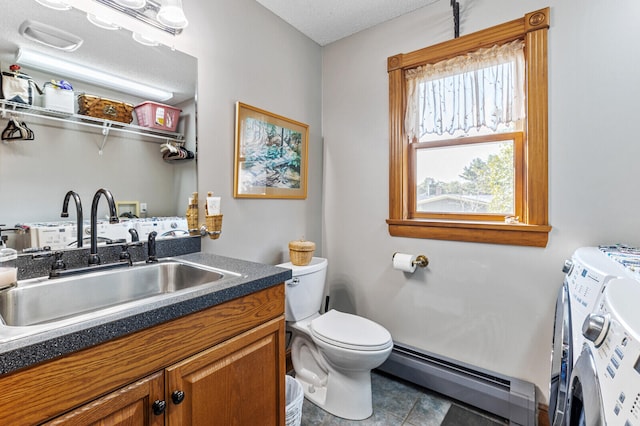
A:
x: 488, y: 305
x: 247, y: 54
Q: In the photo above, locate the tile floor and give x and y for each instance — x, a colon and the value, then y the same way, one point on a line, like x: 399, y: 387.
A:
x: 399, y: 403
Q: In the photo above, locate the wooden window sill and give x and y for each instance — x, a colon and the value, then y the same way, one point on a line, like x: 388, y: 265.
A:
x: 517, y: 234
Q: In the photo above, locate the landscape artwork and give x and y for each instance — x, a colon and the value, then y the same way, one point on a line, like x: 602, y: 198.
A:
x: 271, y: 155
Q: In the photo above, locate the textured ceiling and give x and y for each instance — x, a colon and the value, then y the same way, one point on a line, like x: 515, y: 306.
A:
x: 326, y: 21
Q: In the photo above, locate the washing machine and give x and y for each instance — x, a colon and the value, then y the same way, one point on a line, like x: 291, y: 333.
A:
x: 166, y: 227
x: 587, y: 274
x: 55, y: 235
x: 605, y: 381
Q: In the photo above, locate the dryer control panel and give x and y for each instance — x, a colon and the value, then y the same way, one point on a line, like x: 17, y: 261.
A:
x: 589, y: 271
x: 618, y: 357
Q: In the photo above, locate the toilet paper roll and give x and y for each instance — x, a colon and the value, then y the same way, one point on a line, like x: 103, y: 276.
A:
x: 404, y: 262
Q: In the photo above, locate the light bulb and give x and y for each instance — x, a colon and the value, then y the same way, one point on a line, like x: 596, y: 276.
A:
x: 59, y: 65
x: 132, y: 4
x: 171, y: 14
x: 146, y: 41
x: 54, y: 4
x: 101, y: 22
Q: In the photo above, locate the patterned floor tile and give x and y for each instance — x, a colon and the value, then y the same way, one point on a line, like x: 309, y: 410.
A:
x: 393, y: 396
x: 458, y: 415
x: 398, y: 403
x: 430, y: 410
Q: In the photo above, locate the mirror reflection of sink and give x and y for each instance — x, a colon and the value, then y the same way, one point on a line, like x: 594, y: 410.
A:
x: 40, y: 301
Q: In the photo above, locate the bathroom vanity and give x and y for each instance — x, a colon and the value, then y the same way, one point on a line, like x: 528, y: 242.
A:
x: 214, y: 357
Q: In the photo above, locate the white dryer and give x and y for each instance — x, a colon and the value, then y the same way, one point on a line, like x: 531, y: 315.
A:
x: 605, y: 383
x: 587, y: 274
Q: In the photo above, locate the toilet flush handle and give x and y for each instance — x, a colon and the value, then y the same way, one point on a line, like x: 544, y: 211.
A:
x: 294, y: 282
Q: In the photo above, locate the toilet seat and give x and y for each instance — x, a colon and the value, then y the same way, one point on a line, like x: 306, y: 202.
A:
x: 350, y: 332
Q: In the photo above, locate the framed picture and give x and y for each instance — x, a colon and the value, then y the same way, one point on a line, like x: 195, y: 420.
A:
x: 271, y: 155
x: 128, y: 209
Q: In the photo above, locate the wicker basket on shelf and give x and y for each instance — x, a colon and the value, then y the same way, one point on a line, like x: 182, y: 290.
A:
x: 301, y: 252
x: 104, y: 108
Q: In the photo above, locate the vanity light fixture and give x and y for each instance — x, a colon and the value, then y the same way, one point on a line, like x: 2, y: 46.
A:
x: 55, y: 4
x: 166, y: 15
x: 69, y: 70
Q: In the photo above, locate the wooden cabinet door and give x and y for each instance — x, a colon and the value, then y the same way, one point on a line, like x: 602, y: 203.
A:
x: 238, y: 382
x: 130, y: 406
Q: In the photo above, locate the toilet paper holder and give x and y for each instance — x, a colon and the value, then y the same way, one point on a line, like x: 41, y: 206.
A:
x: 421, y: 260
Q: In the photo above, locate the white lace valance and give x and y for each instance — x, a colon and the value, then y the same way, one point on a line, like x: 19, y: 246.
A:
x: 481, y: 88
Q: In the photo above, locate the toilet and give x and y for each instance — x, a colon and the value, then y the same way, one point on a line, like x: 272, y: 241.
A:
x: 332, y: 353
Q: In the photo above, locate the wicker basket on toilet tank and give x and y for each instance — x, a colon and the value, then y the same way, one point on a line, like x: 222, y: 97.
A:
x: 301, y: 252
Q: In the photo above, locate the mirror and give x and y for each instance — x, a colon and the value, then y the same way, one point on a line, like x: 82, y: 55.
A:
x: 67, y: 154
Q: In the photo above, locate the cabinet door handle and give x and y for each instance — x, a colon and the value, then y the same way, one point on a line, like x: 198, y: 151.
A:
x: 158, y: 407
x: 177, y: 396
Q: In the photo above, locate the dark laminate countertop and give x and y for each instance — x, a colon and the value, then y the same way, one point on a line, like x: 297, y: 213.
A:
x: 23, y: 352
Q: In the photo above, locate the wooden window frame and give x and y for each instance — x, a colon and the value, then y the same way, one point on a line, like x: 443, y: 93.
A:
x: 533, y: 228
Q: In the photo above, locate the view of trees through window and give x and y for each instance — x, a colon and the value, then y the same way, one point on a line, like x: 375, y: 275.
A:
x: 470, y: 178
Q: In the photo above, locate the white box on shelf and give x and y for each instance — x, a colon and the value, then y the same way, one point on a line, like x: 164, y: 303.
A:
x: 59, y: 100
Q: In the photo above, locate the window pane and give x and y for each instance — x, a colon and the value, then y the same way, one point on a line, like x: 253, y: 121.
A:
x: 471, y: 178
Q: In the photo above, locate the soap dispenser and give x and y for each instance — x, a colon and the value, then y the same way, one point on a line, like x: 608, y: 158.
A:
x: 8, y: 264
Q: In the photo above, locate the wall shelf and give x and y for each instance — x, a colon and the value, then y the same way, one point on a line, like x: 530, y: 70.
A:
x: 8, y: 109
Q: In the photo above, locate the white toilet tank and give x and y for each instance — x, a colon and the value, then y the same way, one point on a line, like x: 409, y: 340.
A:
x: 303, y: 292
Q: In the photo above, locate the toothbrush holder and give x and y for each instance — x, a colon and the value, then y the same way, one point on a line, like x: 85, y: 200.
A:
x: 192, y: 220
x: 214, y: 226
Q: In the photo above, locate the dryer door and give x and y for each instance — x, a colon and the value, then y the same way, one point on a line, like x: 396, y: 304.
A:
x: 561, y: 359
x: 585, y: 397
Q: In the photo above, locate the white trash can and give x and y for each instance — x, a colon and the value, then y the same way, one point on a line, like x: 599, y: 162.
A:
x: 294, y: 396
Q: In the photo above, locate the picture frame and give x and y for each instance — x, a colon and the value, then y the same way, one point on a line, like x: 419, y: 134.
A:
x: 270, y: 155
x: 128, y: 208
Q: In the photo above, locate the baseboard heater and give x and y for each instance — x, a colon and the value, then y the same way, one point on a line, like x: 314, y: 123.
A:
x: 506, y: 397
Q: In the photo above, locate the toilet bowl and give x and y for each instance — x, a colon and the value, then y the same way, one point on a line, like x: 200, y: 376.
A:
x: 332, y: 353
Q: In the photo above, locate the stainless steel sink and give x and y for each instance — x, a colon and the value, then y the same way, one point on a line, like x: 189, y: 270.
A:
x: 44, y: 301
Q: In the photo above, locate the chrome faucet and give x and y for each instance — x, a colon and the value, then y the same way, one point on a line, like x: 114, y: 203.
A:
x: 94, y: 259
x: 65, y: 213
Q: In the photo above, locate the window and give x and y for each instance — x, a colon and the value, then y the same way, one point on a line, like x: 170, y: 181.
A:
x: 468, y: 150
x: 471, y: 178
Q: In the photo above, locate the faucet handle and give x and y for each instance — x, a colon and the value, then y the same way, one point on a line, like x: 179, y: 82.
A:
x: 135, y: 237
x: 125, y: 256
x: 151, y: 247
x: 57, y: 265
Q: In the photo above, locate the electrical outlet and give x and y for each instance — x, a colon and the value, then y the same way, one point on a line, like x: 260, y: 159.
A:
x: 143, y: 207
